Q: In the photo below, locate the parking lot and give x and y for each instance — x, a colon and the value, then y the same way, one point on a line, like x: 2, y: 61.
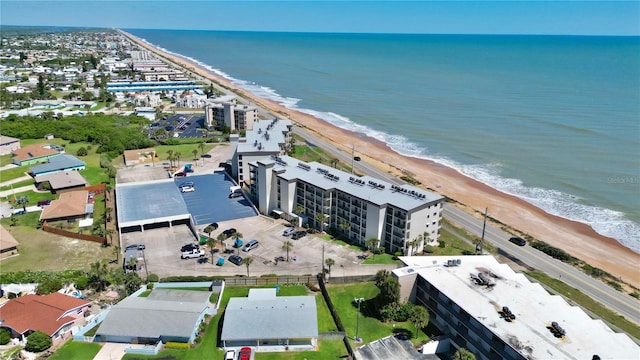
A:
x: 162, y: 252
x: 185, y: 125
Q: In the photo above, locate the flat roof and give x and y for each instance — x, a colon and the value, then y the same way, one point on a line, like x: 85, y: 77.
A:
x: 148, y: 202
x: 534, y: 308
x: 376, y: 191
x: 266, y: 136
x: 270, y: 317
x: 62, y: 179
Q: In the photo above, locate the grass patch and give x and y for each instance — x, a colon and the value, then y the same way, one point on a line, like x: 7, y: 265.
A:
x: 14, y: 173
x: 74, y: 350
x: 93, y: 330
x: 588, y: 303
x: 382, y: 259
x: 5, y: 160
x: 17, y: 185
x: 185, y: 150
x: 145, y: 293
x: 370, y: 327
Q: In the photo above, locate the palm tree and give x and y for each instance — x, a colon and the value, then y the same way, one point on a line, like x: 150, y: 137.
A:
x: 247, y: 262
x: 177, y: 155
x: 344, y: 226
x: 110, y: 232
x: 320, y: 219
x: 195, y: 154
x: 419, y: 317
x: 222, y: 237
x: 236, y: 236
x: 23, y: 201
x: 286, y: 246
x: 170, y: 157
x: 410, y: 245
x: 329, y: 262
x: 211, y: 243
x: 463, y: 354
x: 372, y: 243
x: 201, y: 148
x: 116, y: 252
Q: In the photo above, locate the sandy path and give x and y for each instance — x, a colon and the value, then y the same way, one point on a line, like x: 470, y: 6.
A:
x: 578, y: 239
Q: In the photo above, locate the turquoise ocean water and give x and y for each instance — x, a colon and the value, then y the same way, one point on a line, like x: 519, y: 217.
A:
x: 554, y: 120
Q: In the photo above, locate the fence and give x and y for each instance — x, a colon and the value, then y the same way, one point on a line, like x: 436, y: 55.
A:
x: 50, y: 229
x: 271, y: 280
x: 97, y: 189
x: 334, y: 314
x: 350, y: 279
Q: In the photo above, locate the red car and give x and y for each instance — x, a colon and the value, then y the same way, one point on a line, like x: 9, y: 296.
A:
x: 245, y: 353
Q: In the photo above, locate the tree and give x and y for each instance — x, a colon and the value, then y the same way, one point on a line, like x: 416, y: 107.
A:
x: 372, y: 243
x: 320, y: 219
x: 344, y: 226
x: 463, y: 354
x: 107, y: 214
x: 110, y: 232
x: 116, y: 252
x: 410, y: 245
x: 38, y: 342
x: 286, y: 246
x: 247, y: 262
x: 389, y: 288
x: 329, y: 262
x: 132, y: 282
x: 22, y: 201
x: 201, y: 148
x: 170, y: 157
x: 195, y: 154
x: 237, y: 235
x: 97, y: 279
x: 5, y: 336
x: 177, y: 156
x: 222, y: 237
x: 82, y: 151
x: 211, y: 243
x: 419, y: 317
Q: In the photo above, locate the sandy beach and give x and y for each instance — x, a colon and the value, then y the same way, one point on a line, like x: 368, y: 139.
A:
x: 578, y: 239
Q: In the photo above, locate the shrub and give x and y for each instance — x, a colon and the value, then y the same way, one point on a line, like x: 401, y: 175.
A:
x: 82, y: 151
x: 442, y: 244
x: 5, y: 336
x: 177, y: 345
x: 428, y: 249
x: 635, y: 295
x: 153, y: 278
x: 81, y: 282
x: 149, y: 286
x: 38, y: 342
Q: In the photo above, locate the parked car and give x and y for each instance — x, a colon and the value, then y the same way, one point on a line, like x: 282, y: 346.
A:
x: 230, y: 355
x: 235, y: 259
x: 518, y: 241
x: 44, y: 202
x: 289, y: 231
x: 136, y: 246
x: 19, y: 212
x: 250, y: 245
x: 186, y: 189
x: 235, y: 195
x: 187, y: 183
x: 192, y: 254
x: 189, y: 247
x: 245, y: 353
x: 205, y: 155
x: 299, y: 235
x: 229, y: 232
x: 179, y: 174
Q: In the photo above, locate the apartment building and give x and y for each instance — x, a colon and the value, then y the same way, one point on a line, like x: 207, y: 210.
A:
x: 496, y: 313
x: 404, y: 218
x: 224, y: 110
x: 267, y: 138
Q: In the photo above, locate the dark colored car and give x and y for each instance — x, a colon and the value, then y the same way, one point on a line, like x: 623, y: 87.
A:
x: 179, y: 174
x: 20, y: 212
x: 235, y: 259
x: 234, y: 195
x: 136, y: 246
x: 189, y: 247
x: 44, y: 202
x: 205, y: 155
x: 245, y: 353
x: 518, y: 241
x: 299, y: 235
x: 229, y: 232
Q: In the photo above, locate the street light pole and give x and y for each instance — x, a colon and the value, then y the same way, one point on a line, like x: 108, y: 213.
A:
x: 358, y: 301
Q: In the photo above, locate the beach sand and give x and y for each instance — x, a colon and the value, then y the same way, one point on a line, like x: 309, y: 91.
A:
x: 577, y: 239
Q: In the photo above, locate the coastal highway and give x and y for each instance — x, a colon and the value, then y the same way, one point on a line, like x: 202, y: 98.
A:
x: 617, y: 301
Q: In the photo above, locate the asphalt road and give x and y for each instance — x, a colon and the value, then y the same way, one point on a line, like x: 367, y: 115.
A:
x: 624, y: 304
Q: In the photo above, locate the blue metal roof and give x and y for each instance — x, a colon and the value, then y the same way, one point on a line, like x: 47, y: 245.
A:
x: 58, y: 163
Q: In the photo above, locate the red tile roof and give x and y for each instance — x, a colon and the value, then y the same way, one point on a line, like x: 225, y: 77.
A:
x: 43, y: 313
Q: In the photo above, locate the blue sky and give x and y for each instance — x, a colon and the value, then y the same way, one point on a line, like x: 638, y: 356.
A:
x: 443, y: 17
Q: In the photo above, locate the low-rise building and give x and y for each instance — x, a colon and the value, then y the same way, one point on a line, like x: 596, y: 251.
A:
x: 8, y: 244
x: 35, y: 153
x: 8, y: 144
x: 64, y: 162
x: 63, y: 181
x: 71, y: 206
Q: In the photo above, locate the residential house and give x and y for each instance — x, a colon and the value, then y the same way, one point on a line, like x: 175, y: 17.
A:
x: 57, y: 164
x: 63, y: 181
x: 270, y: 322
x: 53, y: 314
x: 133, y: 157
x: 71, y: 206
x: 8, y: 144
x: 36, y: 153
x: 8, y: 244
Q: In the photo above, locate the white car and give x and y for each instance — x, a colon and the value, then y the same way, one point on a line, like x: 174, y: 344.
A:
x: 192, y: 254
x: 186, y: 189
x: 289, y: 231
x: 230, y: 355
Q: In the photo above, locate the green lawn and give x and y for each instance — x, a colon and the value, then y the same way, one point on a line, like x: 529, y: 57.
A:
x: 74, y: 350
x: 5, y: 159
x: 370, y: 328
x: 382, y: 259
x: 17, y: 185
x: 14, y: 173
x: 185, y: 150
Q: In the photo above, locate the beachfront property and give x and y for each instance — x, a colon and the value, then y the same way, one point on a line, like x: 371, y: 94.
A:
x: 132, y: 87
x: 403, y: 218
x: 224, y: 111
x: 496, y: 313
x: 8, y: 144
x: 276, y: 323
x: 267, y: 138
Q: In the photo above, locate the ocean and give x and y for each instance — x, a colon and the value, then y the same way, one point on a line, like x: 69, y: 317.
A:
x: 554, y: 120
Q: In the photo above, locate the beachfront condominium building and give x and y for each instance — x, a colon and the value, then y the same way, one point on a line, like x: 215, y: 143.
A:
x: 496, y: 313
x: 224, y: 111
x: 267, y: 138
x: 403, y: 218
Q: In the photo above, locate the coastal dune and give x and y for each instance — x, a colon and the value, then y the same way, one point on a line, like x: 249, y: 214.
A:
x: 578, y: 239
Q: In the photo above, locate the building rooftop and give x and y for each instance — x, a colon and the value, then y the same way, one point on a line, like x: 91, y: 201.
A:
x: 63, y: 179
x: 71, y: 203
x: 376, y: 191
x: 33, y: 151
x: 64, y: 161
x: 263, y: 315
x: 267, y: 136
x: 534, y: 308
x: 139, y: 202
x: 4, y: 140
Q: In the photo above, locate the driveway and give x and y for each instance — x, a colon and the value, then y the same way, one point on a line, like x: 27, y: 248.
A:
x: 111, y: 351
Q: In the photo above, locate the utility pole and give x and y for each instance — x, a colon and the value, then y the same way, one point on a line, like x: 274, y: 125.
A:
x: 353, y: 153
x: 484, y: 227
x: 323, y: 281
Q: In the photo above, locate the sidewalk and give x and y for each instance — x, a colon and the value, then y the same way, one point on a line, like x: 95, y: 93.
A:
x: 16, y: 180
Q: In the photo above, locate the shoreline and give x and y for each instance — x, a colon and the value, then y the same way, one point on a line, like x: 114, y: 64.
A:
x: 577, y: 239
